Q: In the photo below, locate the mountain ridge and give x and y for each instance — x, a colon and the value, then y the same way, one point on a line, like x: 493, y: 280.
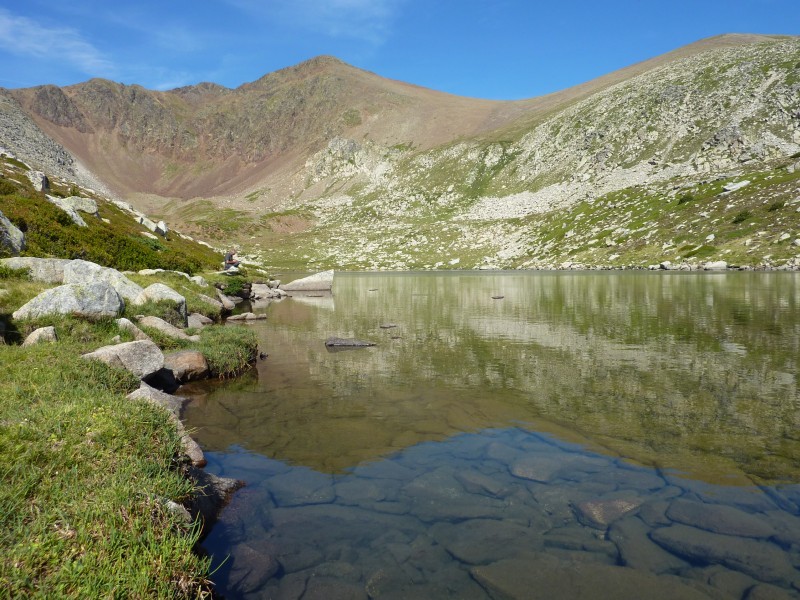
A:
x: 286, y: 152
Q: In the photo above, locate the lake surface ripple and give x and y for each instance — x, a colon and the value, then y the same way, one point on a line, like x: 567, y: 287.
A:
x: 515, y: 435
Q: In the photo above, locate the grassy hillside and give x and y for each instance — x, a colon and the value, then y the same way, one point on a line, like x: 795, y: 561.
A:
x: 113, y: 238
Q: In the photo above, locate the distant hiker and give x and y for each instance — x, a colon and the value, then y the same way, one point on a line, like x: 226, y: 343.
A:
x: 230, y: 259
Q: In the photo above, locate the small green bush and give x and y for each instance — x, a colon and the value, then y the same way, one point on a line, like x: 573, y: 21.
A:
x: 777, y: 205
x: 685, y: 198
x: 742, y: 216
x: 19, y: 274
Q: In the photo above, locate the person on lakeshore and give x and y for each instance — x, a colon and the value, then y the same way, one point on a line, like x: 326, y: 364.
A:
x: 230, y: 259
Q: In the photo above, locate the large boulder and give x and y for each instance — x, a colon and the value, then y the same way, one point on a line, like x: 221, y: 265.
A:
x: 91, y: 300
x: 158, y: 292
x: 142, y: 358
x: 12, y: 240
x: 78, y: 271
x: 319, y: 282
x: 46, y: 270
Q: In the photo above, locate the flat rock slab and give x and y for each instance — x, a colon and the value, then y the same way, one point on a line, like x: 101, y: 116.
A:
x: 544, y: 577
x: 248, y: 316
x: 337, y: 342
x: 46, y: 270
x: 167, y: 328
x: 318, y: 282
x: 761, y: 560
x: 719, y: 518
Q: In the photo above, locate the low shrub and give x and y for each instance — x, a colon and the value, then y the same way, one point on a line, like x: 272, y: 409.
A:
x: 777, y: 205
x: 742, y: 216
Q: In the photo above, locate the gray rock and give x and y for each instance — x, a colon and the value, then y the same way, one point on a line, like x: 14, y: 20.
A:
x: 347, y: 342
x: 142, y: 358
x: 537, y: 468
x: 173, y: 405
x: 300, y: 487
x: 199, y: 280
x: 12, y: 240
x: 481, y: 541
x: 314, y: 283
x: 600, y: 513
x: 552, y: 578
x: 187, y: 365
x: 638, y: 551
x: 197, y: 321
x: 158, y: 292
x: 167, y: 328
x: 67, y: 208
x: 253, y: 565
x: 716, y: 265
x: 762, y: 560
x: 92, y: 301
x: 46, y: 270
x: 126, y: 325
x: 226, y: 302
x: 79, y: 271
x: 719, y: 518
x: 211, y: 301
x: 211, y: 494
x: 248, y: 316
x: 41, y: 335
x: 86, y: 205
x: 39, y: 180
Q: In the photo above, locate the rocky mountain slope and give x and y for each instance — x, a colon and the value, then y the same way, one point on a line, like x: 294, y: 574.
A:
x: 325, y: 165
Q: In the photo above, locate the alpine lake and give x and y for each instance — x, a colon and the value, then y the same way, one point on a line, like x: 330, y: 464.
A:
x: 553, y: 435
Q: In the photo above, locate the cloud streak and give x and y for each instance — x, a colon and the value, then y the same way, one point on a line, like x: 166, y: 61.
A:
x: 58, y: 45
x: 366, y: 20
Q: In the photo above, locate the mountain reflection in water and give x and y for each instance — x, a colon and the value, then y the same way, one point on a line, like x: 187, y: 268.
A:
x: 582, y: 417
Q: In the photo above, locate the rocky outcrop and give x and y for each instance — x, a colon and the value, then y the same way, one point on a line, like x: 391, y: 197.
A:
x: 67, y: 208
x: 92, y: 301
x: 12, y: 240
x: 212, y: 493
x: 142, y: 358
x: 198, y: 321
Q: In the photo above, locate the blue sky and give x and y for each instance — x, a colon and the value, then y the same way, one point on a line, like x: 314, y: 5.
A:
x: 498, y: 49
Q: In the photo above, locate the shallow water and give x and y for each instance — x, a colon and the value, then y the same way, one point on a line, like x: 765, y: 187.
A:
x: 584, y: 436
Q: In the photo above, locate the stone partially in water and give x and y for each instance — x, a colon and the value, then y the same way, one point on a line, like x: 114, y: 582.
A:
x: 718, y: 518
x: 337, y: 342
x: 253, y: 567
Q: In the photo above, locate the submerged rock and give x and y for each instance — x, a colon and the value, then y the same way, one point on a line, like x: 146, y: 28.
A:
x: 337, y: 342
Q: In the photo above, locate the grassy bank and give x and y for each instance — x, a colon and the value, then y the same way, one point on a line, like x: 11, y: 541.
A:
x: 88, y: 473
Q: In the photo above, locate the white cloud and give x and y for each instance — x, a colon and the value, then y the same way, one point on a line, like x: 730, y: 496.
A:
x: 58, y: 45
x: 368, y: 20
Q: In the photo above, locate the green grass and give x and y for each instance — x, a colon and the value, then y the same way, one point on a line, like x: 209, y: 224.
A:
x: 86, y: 474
